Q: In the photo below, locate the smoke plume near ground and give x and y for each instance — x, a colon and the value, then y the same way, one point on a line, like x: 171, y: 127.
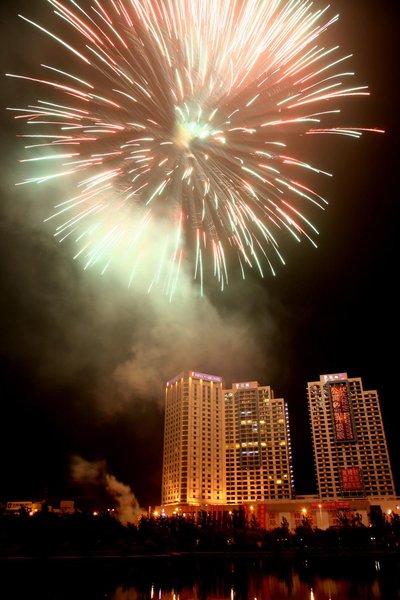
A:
x: 84, y: 472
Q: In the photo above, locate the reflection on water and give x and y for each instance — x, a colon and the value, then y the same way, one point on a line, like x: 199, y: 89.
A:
x: 251, y: 580
x: 205, y: 578
x: 270, y: 589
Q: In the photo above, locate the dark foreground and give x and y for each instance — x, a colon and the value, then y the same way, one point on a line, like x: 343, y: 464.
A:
x: 46, y: 534
x: 84, y: 557
x: 206, y: 576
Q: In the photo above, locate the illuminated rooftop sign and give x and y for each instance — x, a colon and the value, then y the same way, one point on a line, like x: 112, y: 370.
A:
x: 245, y: 384
x: 186, y: 374
x: 334, y: 377
x: 205, y: 376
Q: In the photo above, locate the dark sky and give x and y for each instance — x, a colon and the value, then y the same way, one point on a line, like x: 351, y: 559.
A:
x: 83, y: 361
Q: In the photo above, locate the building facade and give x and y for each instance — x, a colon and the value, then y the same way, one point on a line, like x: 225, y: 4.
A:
x: 194, y: 445
x: 349, y: 443
x: 224, y: 446
x: 258, y: 448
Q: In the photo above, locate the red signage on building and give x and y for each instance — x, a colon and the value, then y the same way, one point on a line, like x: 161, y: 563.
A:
x: 351, y: 479
x: 335, y: 505
x: 262, y: 516
x: 339, y: 394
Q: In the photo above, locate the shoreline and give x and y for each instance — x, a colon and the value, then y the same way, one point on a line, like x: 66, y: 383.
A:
x: 312, y: 554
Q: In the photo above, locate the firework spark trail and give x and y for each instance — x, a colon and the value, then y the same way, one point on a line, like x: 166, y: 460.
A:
x: 179, y: 113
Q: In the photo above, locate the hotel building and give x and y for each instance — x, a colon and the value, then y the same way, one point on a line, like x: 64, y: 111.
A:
x: 258, y: 449
x: 194, y: 444
x: 350, y: 451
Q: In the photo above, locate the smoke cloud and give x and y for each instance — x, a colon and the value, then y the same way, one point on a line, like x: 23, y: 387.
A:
x: 117, y: 343
x: 193, y: 334
x: 95, y: 473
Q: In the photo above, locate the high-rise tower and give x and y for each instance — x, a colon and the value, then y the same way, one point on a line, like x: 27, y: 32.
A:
x: 194, y: 445
x: 350, y: 451
x: 258, y: 449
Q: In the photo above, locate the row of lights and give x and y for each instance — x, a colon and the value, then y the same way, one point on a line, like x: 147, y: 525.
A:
x: 251, y: 507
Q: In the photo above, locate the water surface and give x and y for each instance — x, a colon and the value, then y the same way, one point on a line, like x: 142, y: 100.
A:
x: 200, y: 578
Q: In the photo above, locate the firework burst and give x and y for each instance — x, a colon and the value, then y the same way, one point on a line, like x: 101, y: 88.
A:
x: 173, y: 127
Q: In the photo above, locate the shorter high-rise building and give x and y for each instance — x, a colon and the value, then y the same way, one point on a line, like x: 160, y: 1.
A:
x: 258, y: 448
x: 350, y: 451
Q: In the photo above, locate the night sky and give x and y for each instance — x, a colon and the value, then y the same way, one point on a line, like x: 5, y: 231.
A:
x: 84, y: 360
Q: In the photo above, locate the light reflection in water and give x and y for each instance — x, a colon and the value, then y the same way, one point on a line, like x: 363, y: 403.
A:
x: 254, y: 584
x: 212, y: 578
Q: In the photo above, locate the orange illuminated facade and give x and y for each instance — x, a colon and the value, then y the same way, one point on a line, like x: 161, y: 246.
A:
x: 194, y: 448
x: 224, y: 446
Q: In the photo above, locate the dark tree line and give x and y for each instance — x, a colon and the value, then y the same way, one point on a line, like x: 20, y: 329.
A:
x: 46, y: 533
